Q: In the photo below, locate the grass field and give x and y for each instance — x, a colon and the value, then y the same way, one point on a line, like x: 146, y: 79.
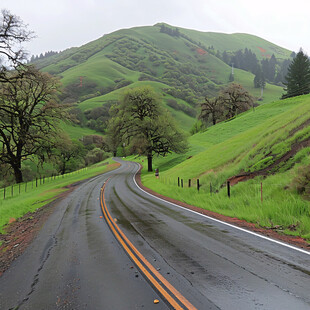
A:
x: 77, y: 132
x: 252, y: 141
x: 29, y: 197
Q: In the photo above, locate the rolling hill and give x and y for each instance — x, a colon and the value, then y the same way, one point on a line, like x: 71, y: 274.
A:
x: 182, y: 65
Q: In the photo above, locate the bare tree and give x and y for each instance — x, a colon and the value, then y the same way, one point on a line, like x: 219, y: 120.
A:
x: 13, y: 32
x: 28, y: 116
x: 235, y: 99
x: 211, y: 108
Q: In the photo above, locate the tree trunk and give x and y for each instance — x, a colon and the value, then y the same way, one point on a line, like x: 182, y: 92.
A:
x: 213, y: 119
x: 149, y: 163
x: 18, y: 173
x: 63, y: 168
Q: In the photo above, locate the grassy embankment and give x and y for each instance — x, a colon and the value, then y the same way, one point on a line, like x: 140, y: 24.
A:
x: 31, y: 197
x: 251, y: 142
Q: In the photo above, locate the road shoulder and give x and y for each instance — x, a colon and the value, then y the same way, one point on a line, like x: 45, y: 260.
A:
x: 271, y: 233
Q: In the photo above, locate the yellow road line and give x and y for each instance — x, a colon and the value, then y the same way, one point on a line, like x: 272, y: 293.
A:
x: 131, y: 249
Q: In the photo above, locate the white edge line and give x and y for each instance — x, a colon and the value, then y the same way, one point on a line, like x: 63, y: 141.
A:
x: 224, y: 223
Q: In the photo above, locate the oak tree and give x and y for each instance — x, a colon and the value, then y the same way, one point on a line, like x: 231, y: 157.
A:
x: 28, y: 116
x: 235, y: 99
x: 142, y: 123
x: 211, y: 108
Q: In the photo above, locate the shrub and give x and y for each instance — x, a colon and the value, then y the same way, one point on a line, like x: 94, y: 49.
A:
x: 302, y: 181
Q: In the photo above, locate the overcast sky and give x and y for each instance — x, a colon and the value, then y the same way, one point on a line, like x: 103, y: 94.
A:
x: 60, y: 24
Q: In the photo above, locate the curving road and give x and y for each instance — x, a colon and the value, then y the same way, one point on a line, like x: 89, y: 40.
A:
x: 77, y: 262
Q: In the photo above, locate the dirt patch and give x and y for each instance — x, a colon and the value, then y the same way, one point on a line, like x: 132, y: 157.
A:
x: 200, y: 51
x: 296, y: 147
x: 19, y: 234
x: 300, y: 127
x: 293, y: 240
x: 263, y: 52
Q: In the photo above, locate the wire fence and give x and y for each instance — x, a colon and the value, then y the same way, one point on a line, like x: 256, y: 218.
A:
x: 15, y: 190
x: 257, y: 190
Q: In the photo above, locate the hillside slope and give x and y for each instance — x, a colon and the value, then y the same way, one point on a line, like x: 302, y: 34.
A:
x: 185, y: 64
x: 268, y: 145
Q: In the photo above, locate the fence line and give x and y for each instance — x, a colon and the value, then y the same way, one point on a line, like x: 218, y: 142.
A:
x: 16, y: 189
x: 196, y: 185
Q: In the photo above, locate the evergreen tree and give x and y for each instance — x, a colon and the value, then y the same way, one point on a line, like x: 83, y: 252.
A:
x: 282, y: 72
x: 259, y: 79
x: 272, y: 68
x: 225, y: 57
x: 298, y: 76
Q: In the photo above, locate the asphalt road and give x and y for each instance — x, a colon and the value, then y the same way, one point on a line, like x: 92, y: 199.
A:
x: 76, y: 262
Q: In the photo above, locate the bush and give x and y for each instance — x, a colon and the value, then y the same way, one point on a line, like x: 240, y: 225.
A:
x: 302, y: 181
x: 181, y: 107
x: 95, y: 156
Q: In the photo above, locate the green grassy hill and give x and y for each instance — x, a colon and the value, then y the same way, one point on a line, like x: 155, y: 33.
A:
x: 184, y: 68
x: 269, y: 145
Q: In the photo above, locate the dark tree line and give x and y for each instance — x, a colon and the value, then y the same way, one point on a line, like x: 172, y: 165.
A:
x: 267, y: 70
x: 42, y: 56
x: 174, y: 32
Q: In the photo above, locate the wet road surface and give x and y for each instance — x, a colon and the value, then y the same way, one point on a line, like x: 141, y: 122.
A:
x: 77, y: 263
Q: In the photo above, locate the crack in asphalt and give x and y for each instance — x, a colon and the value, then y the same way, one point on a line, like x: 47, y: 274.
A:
x: 44, y: 257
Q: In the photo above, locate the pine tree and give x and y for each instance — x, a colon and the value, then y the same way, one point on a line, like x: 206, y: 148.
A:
x: 298, y: 76
x: 272, y: 68
x: 259, y: 79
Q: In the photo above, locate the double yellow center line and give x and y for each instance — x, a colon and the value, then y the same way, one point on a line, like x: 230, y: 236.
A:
x: 167, y: 291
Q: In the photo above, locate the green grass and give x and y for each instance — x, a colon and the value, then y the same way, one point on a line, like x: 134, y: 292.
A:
x: 77, y: 132
x: 252, y: 141
x: 100, y: 70
x: 279, y: 206
x: 31, y: 197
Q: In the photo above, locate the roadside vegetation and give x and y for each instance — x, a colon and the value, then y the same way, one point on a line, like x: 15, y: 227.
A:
x: 269, y: 147
x: 30, y: 196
